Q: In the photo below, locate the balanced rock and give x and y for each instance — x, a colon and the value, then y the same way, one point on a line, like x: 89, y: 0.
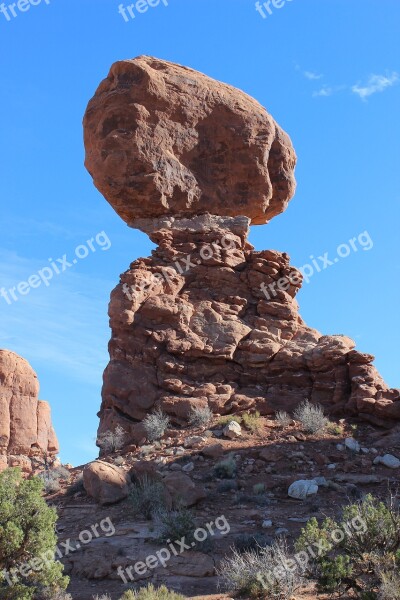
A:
x: 162, y: 139
x: 207, y: 321
x: 26, y: 431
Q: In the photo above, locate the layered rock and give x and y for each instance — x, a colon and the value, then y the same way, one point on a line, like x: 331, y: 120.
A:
x: 208, y: 321
x: 26, y: 432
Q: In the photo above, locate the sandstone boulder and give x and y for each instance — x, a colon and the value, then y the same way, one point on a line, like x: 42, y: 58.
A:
x: 162, y: 139
x: 104, y: 482
x: 182, y: 489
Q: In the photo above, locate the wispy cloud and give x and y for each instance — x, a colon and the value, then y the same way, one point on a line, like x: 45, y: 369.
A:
x: 328, y: 90
x: 324, y: 92
x: 375, y: 84
x: 312, y: 76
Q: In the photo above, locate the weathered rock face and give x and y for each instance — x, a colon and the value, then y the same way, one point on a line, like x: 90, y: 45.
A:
x: 207, y: 320
x: 26, y: 431
x: 162, y: 139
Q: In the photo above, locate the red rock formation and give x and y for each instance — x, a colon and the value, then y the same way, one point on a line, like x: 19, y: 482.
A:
x: 163, y: 139
x: 207, y: 320
x: 26, y: 431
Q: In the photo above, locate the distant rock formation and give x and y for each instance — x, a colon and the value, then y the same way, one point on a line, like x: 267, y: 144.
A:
x: 27, y: 437
x: 208, y: 321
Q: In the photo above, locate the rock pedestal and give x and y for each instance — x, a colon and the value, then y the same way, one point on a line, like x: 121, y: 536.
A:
x: 207, y: 320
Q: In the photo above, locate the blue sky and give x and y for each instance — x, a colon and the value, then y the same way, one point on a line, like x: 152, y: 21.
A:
x: 328, y: 71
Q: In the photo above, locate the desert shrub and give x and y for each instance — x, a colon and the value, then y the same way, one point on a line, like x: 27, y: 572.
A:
x: 176, y: 524
x: 390, y: 585
x: 27, y: 534
x: 152, y: 593
x: 200, y: 416
x: 147, y: 497
x: 282, y: 418
x: 334, y: 428
x: 252, y: 421
x: 128, y: 595
x: 62, y: 472
x: 258, y: 488
x: 51, y: 482
x: 254, y: 573
x: 226, y: 468
x: 51, y: 479
x: 367, y: 555
x: 58, y: 595
x: 76, y: 487
x: 155, y: 425
x: 226, y: 419
x: 311, y: 416
x: 111, y: 441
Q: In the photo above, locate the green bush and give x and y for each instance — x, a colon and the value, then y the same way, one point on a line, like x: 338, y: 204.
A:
x: 152, y: 593
x: 176, y: 524
x: 252, y: 421
x: 365, y: 556
x: 27, y: 540
x: 226, y: 468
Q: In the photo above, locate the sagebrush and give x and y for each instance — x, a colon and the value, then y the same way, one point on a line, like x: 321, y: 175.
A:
x: 311, y: 416
x: 155, y: 425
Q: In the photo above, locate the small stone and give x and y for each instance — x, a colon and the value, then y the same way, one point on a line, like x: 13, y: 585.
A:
x: 194, y: 441
x: 302, y: 488
x: 188, y: 468
x: 352, y: 445
x: 175, y: 467
x: 388, y: 460
x: 232, y: 430
x: 340, y: 447
x: 267, y: 524
x: 332, y: 466
x: 364, y: 450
